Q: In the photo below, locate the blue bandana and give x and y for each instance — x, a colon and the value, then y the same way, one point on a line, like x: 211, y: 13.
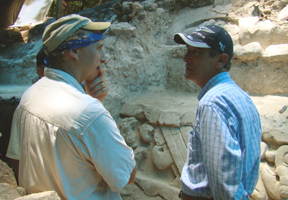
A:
x: 80, y: 41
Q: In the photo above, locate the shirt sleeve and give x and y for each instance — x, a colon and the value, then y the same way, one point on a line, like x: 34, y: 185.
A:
x: 112, y: 158
x: 13, y: 150
x: 221, y: 153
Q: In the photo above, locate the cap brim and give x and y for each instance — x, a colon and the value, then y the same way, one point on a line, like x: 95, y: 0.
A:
x: 182, y: 38
x: 97, y: 26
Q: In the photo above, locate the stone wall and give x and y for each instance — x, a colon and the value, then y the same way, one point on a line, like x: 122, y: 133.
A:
x: 157, y: 128
x: 149, y: 97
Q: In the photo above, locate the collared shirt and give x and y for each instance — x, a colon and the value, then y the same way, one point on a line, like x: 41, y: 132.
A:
x: 224, y: 146
x: 67, y: 141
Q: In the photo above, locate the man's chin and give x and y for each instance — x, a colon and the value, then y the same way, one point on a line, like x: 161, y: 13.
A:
x: 93, y: 76
x: 188, y: 76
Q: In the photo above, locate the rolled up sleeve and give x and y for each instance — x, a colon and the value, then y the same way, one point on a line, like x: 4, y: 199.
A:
x: 111, y: 156
x: 221, y: 153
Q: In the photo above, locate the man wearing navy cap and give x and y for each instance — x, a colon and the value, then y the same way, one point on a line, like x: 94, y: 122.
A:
x: 224, y: 146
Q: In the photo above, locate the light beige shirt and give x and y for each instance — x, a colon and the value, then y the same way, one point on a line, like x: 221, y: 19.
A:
x: 67, y: 141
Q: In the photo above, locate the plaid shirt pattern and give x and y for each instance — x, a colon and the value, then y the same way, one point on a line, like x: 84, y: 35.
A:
x: 224, y: 147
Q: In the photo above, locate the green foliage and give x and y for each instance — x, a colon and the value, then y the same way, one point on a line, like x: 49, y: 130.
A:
x: 74, y: 6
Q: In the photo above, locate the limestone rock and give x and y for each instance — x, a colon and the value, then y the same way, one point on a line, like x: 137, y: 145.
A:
x: 137, y: 9
x: 274, y: 124
x: 152, y: 187
x: 48, y: 195
x: 140, y: 153
x: 7, y: 175
x: 265, y: 32
x: 249, y: 52
x: 21, y: 191
x: 169, y: 118
x: 281, y: 161
x: 270, y: 156
x: 266, y: 27
x: 161, y: 157
x: 283, y: 15
x: 264, y: 148
x: 276, y: 53
x: 128, y: 130
x: 187, y: 119
x: 247, y: 27
x: 158, y: 137
x: 149, y: 6
x: 152, y: 114
x: 251, y: 29
x: 275, y: 178
x: 175, y: 143
x: 132, y: 110
x: 8, y: 192
x: 276, y: 136
x: 159, y: 12
x: 269, y: 179
x: 138, y: 52
x: 122, y: 29
x: 259, y: 192
x: 282, y: 156
x: 146, y: 132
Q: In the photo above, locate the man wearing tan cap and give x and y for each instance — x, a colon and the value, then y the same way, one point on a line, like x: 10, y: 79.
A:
x: 68, y: 142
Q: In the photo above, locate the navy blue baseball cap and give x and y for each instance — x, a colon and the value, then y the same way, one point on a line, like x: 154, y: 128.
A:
x: 210, y: 36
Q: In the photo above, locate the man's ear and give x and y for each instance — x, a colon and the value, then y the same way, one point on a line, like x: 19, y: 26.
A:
x: 222, y: 60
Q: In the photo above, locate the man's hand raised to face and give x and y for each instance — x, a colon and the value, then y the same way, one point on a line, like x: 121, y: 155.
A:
x: 98, y: 87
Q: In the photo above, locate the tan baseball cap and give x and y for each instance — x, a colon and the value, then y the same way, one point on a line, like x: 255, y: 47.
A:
x: 58, y: 31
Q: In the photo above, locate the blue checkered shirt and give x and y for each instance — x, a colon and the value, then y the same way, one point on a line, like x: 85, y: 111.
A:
x: 224, y: 147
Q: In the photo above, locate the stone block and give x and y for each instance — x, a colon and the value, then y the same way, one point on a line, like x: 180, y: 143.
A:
x: 122, y: 29
x: 169, y: 118
x: 187, y: 119
x: 152, y: 114
x: 249, y: 52
x: 247, y: 27
x: 276, y: 53
x: 132, y: 110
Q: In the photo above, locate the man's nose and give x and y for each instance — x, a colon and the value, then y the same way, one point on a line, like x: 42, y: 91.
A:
x: 102, y: 57
x: 185, y: 58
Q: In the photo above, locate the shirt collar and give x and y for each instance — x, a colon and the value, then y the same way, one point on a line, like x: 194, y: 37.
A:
x: 62, y: 76
x: 222, y: 77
